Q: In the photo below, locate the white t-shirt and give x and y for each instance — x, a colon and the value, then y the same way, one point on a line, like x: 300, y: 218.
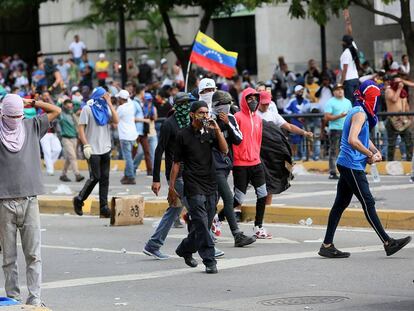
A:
x: 326, y: 94
x: 272, y: 116
x: 126, y: 125
x: 77, y: 48
x: 346, y: 59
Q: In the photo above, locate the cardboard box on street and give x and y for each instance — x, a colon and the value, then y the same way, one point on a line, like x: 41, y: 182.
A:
x: 127, y: 210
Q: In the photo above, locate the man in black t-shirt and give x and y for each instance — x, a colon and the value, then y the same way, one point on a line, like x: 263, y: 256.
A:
x: 194, y: 150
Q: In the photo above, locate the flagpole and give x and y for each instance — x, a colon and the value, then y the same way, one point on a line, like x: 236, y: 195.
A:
x: 186, y: 76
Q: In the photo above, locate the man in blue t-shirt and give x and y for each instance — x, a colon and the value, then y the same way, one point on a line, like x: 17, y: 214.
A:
x: 356, y: 151
x: 335, y: 111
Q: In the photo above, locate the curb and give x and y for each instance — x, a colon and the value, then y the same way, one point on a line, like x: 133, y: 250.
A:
x: 352, y: 217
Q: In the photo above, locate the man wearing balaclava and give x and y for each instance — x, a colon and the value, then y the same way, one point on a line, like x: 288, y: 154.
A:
x: 356, y: 151
x: 206, y: 89
x: 223, y: 164
x: 247, y: 165
x: 167, y: 143
x: 95, y: 136
x: 19, y: 209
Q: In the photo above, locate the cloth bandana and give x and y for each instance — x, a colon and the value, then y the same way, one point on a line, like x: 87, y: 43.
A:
x: 99, y: 106
x: 12, y: 131
x: 182, y: 114
x: 367, y: 96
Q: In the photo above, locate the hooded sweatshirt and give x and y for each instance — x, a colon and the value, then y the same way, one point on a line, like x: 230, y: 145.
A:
x: 248, y: 152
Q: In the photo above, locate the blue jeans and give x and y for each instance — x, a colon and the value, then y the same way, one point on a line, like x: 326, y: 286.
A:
x: 126, y: 148
x: 153, y: 142
x: 350, y: 86
x: 167, y: 220
x: 353, y: 182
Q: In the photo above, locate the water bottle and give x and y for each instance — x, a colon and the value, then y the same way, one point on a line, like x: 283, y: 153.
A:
x: 375, y: 173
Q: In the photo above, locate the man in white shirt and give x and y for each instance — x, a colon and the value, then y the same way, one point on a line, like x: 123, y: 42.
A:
x: 76, y: 49
x: 405, y: 65
x: 349, y: 66
x: 127, y: 134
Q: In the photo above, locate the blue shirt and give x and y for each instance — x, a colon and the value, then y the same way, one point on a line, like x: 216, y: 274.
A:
x: 139, y: 113
x: 348, y: 156
x: 335, y: 107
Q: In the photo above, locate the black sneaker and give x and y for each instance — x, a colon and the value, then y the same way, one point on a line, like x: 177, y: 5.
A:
x: 79, y: 177
x: 394, y: 245
x: 105, y: 212
x: 64, y: 178
x: 211, y: 269
x: 191, y: 262
x: 241, y: 240
x: 333, y: 176
x: 332, y: 252
x: 77, y: 206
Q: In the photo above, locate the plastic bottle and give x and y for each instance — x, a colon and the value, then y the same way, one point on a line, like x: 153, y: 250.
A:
x: 375, y: 174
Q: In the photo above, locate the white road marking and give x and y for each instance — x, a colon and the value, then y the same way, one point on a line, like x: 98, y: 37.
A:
x: 223, y: 264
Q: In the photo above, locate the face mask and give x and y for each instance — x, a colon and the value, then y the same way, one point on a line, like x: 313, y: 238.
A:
x: 221, y: 109
x: 207, y: 97
x: 253, y: 105
x: 12, y: 123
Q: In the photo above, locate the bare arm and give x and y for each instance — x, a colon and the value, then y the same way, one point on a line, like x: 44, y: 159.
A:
x: 82, y: 136
x: 58, y: 79
x: 358, y: 120
x: 296, y: 130
x: 343, y: 73
x: 51, y: 110
x: 348, y: 23
x: 172, y: 194
x: 331, y: 117
x: 408, y: 83
x: 115, y: 117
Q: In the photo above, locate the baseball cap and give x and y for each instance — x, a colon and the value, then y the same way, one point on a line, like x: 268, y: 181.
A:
x: 147, y: 96
x: 163, y: 61
x: 221, y: 97
x: 124, y: 94
x: 101, y: 56
x: 206, y: 83
x: 265, y: 98
x: 74, y: 89
x: 338, y: 86
x: 298, y: 88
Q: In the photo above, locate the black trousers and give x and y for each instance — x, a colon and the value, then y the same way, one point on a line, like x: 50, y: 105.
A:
x: 201, y: 211
x: 99, y: 166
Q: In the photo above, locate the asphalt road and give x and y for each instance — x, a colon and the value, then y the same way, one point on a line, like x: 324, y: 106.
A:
x: 313, y: 190
x: 89, y: 265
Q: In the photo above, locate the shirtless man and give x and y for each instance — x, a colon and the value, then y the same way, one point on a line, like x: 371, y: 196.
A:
x: 396, y: 101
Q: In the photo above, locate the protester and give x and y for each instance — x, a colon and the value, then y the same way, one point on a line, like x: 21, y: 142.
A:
x: 356, y: 151
x: 102, y: 69
x: 150, y: 114
x: 68, y: 124
x: 405, y: 65
x: 336, y: 110
x: 396, y: 99
x: 312, y: 71
x: 247, y: 164
x: 168, y: 144
x: 63, y: 68
x: 19, y: 209
x: 95, y: 135
x: 221, y: 103
x: 206, y: 89
x: 194, y: 149
x: 127, y: 132
x: 325, y: 92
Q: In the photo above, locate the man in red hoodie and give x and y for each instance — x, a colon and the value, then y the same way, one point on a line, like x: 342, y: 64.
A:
x: 247, y: 167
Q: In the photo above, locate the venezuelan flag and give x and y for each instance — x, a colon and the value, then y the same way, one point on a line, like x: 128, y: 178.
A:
x: 210, y: 55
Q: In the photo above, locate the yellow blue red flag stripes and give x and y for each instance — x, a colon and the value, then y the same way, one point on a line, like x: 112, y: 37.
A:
x: 210, y: 55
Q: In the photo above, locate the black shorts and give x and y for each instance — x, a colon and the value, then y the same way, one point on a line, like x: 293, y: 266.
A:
x: 243, y: 175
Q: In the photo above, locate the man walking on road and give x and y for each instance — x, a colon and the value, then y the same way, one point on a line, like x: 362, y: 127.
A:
x: 167, y: 143
x: 356, y: 151
x: 21, y: 182
x: 194, y: 150
x: 95, y: 135
x: 335, y: 112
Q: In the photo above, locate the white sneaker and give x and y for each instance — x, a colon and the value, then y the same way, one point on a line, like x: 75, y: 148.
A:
x: 261, y: 233
x: 216, y: 226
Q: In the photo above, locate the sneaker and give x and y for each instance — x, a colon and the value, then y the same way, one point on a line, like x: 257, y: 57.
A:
x: 77, y: 206
x: 216, y: 226
x: 394, y: 245
x: 177, y: 224
x: 154, y: 253
x: 241, y: 240
x: 333, y: 177
x: 261, y: 233
x: 211, y: 269
x: 104, y: 212
x: 238, y: 215
x: 128, y: 181
x: 332, y: 252
x: 64, y: 178
x: 218, y: 253
x: 79, y: 177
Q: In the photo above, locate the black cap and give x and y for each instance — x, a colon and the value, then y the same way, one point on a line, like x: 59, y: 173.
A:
x: 181, y: 97
x: 197, y: 105
x: 221, y: 97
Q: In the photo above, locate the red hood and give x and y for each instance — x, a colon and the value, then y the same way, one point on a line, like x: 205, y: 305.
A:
x: 243, y: 104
